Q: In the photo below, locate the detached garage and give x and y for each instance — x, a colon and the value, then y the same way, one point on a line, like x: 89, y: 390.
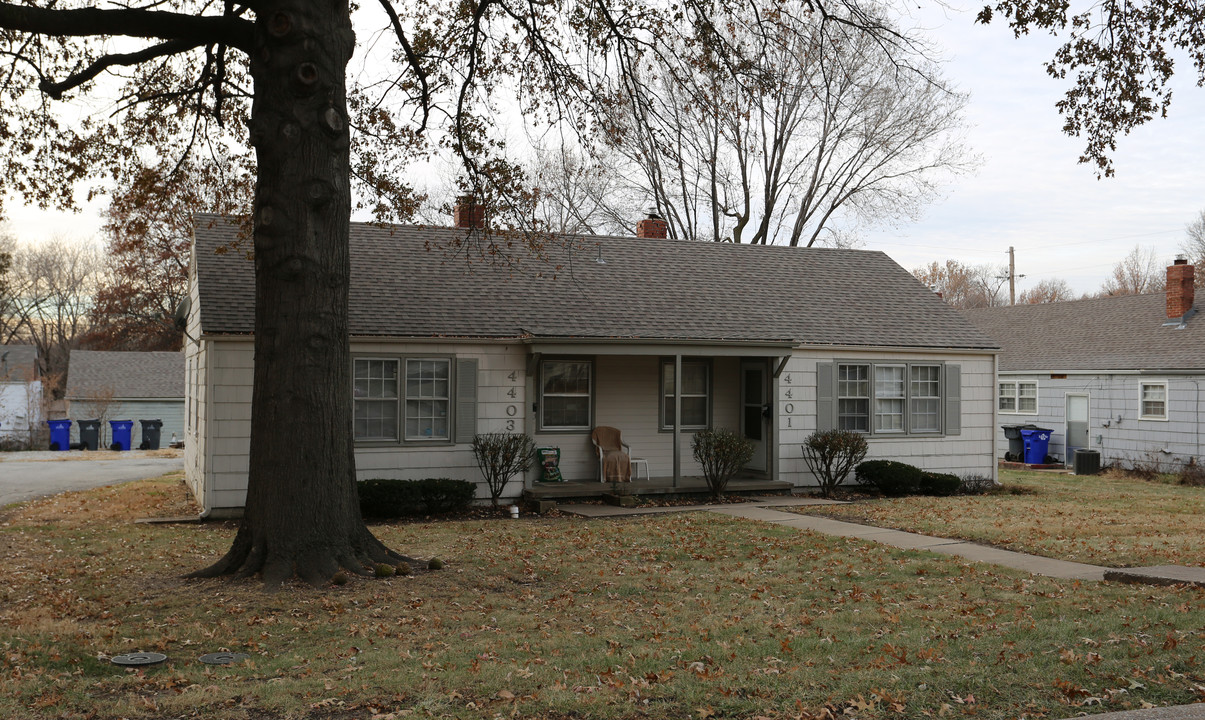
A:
x: 126, y: 386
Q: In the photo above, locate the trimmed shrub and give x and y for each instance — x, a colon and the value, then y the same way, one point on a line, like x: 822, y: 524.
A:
x: 976, y: 484
x: 932, y: 483
x: 390, y: 498
x: 501, y: 456
x: 889, y: 476
x: 443, y: 495
x: 381, y: 498
x: 831, y: 455
x: 722, y: 453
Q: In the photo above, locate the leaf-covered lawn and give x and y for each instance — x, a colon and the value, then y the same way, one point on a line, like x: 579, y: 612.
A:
x: 668, y: 616
x: 1105, y: 520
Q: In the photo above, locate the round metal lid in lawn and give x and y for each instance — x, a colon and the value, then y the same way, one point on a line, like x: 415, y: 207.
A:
x: 138, y: 659
x: 224, y: 658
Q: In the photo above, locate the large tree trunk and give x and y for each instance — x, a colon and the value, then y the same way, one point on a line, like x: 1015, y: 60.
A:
x: 302, y: 515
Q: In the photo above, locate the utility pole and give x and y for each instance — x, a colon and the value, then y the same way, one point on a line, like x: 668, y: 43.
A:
x: 1012, y: 276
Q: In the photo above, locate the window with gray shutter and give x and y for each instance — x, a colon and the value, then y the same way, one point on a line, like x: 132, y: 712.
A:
x: 889, y: 398
x: 466, y: 399
x: 953, y: 399
x: 826, y: 392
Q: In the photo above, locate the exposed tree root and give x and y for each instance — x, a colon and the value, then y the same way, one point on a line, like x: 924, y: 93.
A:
x: 313, y: 558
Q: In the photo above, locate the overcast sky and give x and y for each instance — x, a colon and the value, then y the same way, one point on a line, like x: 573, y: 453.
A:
x: 1029, y: 191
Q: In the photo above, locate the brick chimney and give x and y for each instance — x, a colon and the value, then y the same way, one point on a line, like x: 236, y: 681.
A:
x: 1180, y: 295
x: 653, y: 227
x: 468, y: 213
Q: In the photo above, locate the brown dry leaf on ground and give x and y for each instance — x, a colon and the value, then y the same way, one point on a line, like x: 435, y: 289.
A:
x: 651, y: 617
x: 163, y: 497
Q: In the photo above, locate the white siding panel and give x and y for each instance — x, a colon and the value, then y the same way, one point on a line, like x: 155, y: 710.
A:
x: 970, y: 452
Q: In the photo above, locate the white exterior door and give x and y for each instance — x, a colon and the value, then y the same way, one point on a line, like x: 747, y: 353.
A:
x: 1076, y: 430
x: 755, y: 425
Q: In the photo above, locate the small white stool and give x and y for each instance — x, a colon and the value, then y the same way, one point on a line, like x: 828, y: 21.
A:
x: 636, y: 463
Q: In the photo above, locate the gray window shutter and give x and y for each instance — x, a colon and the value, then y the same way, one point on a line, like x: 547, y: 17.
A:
x: 826, y: 396
x: 466, y: 399
x: 953, y: 399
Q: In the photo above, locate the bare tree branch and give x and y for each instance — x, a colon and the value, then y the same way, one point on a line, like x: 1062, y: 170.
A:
x: 172, y: 47
x: 82, y: 22
x: 413, y: 60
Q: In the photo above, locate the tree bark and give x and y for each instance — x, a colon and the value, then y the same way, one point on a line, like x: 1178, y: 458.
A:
x: 302, y: 513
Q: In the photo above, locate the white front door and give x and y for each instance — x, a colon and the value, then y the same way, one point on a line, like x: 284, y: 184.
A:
x: 1076, y: 430
x: 755, y: 425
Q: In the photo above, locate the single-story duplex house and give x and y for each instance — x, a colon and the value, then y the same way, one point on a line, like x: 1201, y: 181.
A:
x: 119, y: 385
x: 20, y: 395
x: 1120, y: 375
x: 770, y: 342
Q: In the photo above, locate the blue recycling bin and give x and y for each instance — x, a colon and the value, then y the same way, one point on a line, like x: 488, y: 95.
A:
x: 121, y: 433
x: 60, y: 434
x: 1037, y: 442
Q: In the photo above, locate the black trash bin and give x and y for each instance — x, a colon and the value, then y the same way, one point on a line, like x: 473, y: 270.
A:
x: 89, y: 434
x: 150, y: 434
x: 1016, y: 443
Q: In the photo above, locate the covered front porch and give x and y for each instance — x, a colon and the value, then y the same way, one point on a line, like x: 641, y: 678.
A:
x: 630, y: 386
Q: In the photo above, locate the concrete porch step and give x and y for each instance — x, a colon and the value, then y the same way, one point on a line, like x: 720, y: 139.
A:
x: 655, y: 486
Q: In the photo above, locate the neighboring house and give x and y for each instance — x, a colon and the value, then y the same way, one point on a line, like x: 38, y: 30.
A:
x: 126, y: 386
x: 20, y: 396
x: 1121, y: 375
x: 772, y: 342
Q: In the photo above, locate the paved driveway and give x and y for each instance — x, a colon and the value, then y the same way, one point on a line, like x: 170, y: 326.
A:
x: 21, y: 480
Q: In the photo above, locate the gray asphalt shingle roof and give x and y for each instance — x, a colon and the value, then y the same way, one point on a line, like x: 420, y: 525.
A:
x: 646, y: 290
x: 1113, y: 333
x: 128, y: 374
x: 18, y: 363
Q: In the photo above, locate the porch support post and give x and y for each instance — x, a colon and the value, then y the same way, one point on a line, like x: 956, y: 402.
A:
x: 677, y: 419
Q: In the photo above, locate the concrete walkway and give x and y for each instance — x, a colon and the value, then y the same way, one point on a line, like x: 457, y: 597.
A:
x: 762, y: 509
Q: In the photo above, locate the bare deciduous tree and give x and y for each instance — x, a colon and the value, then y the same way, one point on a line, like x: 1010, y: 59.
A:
x: 1194, y: 247
x: 8, y: 317
x: 1047, y: 291
x: 1137, y: 274
x: 52, y: 286
x: 580, y: 194
x: 780, y: 125
x: 965, y: 286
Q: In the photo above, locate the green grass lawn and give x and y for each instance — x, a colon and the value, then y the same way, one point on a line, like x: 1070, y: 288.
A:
x: 1106, y: 520
x: 670, y: 616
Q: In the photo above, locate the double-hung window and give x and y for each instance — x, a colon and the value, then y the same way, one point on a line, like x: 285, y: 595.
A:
x: 1019, y: 397
x: 1153, y: 401
x: 696, y: 394
x: 925, y: 399
x: 888, y: 398
x: 398, y: 399
x: 566, y: 387
x: 853, y: 397
x: 428, y: 395
x: 375, y: 399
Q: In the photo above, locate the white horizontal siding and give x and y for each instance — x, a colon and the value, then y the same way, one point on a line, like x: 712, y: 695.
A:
x: 626, y: 396
x: 969, y: 452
